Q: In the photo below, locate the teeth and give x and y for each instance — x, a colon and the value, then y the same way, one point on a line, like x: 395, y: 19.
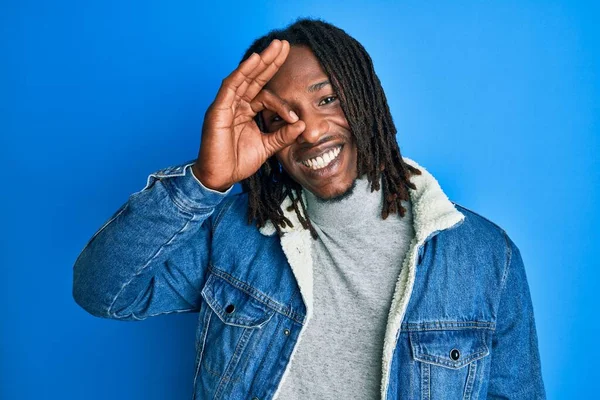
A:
x: 323, y: 160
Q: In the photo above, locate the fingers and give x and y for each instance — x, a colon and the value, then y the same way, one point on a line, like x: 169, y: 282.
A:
x: 227, y: 92
x: 261, y: 78
x: 268, y: 100
x: 283, y: 137
x: 252, y: 74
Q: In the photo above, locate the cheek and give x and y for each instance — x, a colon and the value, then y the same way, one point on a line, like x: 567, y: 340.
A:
x: 283, y: 158
x: 280, y: 156
x: 352, y: 167
x: 340, y: 119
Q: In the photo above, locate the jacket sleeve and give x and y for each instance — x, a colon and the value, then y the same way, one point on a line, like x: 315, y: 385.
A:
x: 150, y: 257
x: 515, y: 365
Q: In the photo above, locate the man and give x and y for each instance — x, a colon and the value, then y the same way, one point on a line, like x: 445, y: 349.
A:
x: 341, y: 271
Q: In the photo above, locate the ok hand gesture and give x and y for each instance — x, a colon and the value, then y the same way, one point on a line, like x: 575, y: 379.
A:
x: 233, y: 147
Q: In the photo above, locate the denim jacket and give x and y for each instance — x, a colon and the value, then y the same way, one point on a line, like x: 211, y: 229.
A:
x: 460, y: 324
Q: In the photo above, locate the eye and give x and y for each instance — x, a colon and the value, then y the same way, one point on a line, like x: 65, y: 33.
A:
x: 327, y: 100
x: 276, y: 118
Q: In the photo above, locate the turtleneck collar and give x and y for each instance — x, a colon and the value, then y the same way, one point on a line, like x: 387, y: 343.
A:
x: 360, y: 204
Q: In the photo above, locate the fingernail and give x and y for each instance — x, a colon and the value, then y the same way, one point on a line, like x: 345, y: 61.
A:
x: 294, y: 116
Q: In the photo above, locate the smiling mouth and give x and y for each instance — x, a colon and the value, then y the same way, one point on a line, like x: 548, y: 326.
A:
x: 323, y: 160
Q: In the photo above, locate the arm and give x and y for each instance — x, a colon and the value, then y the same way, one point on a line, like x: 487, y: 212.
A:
x: 149, y: 258
x: 515, y: 365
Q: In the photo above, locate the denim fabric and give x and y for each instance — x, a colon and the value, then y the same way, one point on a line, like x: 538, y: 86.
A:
x: 468, y: 331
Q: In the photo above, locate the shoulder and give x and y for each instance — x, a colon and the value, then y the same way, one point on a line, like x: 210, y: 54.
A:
x: 481, y: 234
x: 477, y: 222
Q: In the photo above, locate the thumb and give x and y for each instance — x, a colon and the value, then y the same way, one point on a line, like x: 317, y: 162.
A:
x: 283, y: 137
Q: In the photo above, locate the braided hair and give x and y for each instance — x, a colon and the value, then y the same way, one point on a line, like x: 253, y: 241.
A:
x: 350, y: 71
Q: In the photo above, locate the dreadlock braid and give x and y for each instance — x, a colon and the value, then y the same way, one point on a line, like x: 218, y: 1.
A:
x: 351, y: 74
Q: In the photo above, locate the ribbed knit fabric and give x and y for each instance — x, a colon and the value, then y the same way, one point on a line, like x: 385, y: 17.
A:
x: 357, y: 260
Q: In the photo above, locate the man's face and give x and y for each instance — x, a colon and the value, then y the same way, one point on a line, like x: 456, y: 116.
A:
x: 323, y: 157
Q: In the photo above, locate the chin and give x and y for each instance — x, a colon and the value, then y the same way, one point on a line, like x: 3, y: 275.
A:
x: 337, y: 195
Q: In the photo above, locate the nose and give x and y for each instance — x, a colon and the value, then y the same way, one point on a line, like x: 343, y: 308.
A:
x: 316, y: 126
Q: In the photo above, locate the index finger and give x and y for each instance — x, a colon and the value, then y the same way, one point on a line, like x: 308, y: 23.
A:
x: 269, y: 100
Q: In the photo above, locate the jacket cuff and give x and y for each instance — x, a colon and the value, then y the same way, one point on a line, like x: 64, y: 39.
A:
x: 188, y: 170
x: 186, y: 190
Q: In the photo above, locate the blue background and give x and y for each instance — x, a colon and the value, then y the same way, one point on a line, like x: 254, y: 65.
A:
x: 499, y: 100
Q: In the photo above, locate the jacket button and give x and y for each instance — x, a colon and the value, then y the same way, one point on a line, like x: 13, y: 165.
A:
x: 286, y: 332
x: 454, y: 354
x: 229, y: 309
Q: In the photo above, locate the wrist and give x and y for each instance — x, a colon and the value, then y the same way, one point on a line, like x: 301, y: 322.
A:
x: 198, y: 176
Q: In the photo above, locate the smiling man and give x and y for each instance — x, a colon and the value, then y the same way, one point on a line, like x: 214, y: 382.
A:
x: 323, y: 158
x: 341, y: 271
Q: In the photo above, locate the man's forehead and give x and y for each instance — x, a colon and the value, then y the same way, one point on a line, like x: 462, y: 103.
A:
x: 300, y: 71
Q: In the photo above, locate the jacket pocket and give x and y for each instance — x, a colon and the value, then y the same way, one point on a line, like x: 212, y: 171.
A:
x: 231, y: 323
x: 448, y: 361
x: 234, y: 306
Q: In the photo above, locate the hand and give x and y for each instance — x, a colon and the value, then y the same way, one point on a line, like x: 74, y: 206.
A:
x: 233, y: 147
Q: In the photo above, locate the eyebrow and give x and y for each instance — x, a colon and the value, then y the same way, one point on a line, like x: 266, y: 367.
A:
x: 318, y: 86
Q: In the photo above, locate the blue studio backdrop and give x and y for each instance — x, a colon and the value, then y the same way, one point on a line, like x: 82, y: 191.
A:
x: 499, y: 100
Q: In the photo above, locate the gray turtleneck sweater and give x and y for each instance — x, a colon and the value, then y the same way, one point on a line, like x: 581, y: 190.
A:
x: 357, y: 260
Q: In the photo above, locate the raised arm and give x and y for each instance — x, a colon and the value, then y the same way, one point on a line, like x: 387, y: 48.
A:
x: 150, y: 257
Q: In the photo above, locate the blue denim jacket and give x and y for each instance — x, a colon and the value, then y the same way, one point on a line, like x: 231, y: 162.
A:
x: 460, y: 325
